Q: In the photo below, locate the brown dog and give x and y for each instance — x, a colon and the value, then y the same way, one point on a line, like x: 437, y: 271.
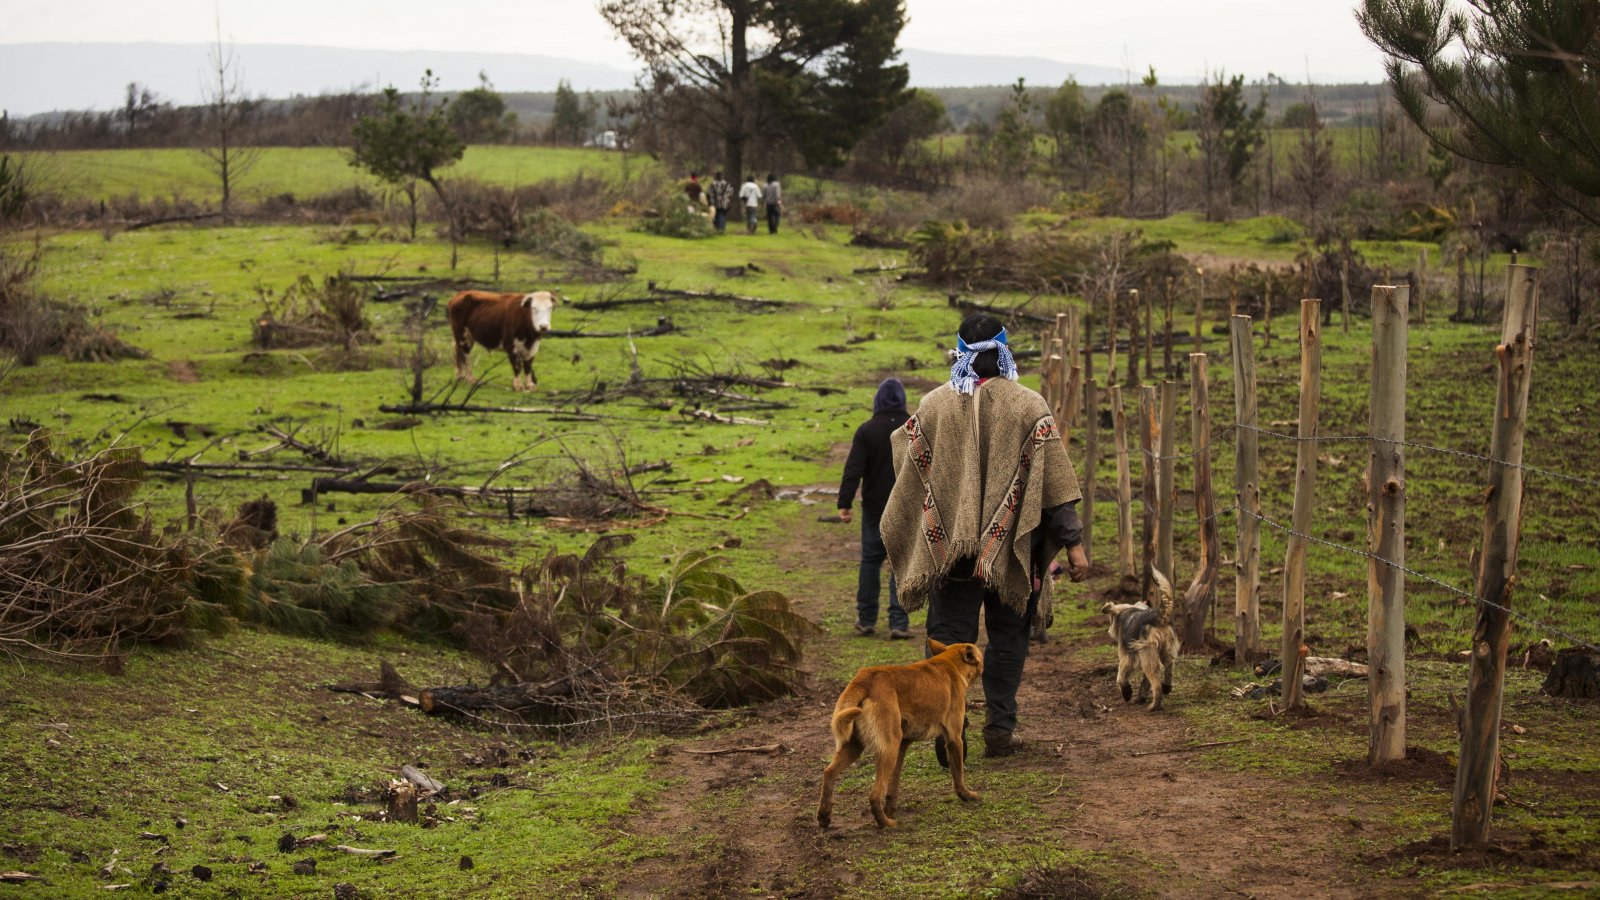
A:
x: 885, y: 708
x: 1145, y: 639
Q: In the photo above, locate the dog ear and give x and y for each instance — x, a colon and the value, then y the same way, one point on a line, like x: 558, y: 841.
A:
x: 1106, y: 608
x: 970, y: 654
x: 934, y: 646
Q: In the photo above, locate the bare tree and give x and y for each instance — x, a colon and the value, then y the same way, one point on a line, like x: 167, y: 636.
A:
x: 227, y: 120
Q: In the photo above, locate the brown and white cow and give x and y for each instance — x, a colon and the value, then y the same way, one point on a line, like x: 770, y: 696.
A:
x: 512, y: 322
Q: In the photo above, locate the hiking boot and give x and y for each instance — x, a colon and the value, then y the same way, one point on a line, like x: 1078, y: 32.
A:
x: 899, y: 634
x: 865, y: 630
x: 1000, y: 745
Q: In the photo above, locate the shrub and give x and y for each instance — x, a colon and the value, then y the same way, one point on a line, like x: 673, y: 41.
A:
x: 32, y: 326
x: 674, y: 216
x: 311, y: 315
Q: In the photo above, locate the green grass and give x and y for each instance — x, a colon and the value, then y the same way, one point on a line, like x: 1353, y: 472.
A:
x: 189, y: 296
x: 214, y: 735
x: 303, y: 171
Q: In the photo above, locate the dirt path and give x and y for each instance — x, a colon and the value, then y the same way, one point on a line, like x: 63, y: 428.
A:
x: 745, y: 824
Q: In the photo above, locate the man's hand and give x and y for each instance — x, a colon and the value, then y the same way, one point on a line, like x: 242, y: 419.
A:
x: 844, y: 514
x: 1077, y: 563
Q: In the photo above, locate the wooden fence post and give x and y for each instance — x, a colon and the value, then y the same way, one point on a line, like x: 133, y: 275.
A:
x: 1344, y: 289
x: 1166, y: 361
x: 1268, y: 311
x: 1497, y: 568
x: 1111, y: 337
x: 1148, y: 431
x: 1422, y: 286
x: 1247, y: 493
x: 1149, y: 338
x: 1202, y: 591
x: 1386, y: 529
x: 1119, y: 423
x: 1133, y: 337
x: 1461, y: 283
x: 1074, y: 364
x: 1166, y: 476
x: 1069, y: 395
x: 1091, y: 424
x: 1199, y: 321
x: 1305, y: 490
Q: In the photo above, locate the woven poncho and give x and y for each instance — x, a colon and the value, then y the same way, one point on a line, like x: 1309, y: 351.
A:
x: 973, y: 473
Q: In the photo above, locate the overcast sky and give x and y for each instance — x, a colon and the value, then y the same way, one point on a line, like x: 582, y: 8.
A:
x: 1182, y: 38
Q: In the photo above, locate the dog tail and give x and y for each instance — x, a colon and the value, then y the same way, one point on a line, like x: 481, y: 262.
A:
x: 1165, y: 603
x: 843, y: 723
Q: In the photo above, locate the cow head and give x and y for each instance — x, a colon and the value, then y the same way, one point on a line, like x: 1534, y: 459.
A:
x: 539, y: 305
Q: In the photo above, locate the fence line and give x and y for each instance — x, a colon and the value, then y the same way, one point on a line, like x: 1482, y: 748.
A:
x: 1583, y: 642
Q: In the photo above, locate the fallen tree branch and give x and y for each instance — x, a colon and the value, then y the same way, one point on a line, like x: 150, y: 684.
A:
x: 764, y: 749
x: 430, y: 408
x: 371, y: 854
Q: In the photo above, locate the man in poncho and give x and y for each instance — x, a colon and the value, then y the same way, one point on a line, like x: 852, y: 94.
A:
x: 984, y: 497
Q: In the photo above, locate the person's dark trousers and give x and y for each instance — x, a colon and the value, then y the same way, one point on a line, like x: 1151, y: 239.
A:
x: 719, y: 220
x: 873, y: 555
x: 953, y: 618
x: 772, y: 218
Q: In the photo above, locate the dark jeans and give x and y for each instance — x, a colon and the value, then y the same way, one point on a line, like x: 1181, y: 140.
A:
x: 719, y: 219
x: 953, y: 618
x: 873, y: 555
x: 772, y: 218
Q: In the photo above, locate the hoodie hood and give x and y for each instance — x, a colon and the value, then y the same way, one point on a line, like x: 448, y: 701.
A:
x: 891, y: 397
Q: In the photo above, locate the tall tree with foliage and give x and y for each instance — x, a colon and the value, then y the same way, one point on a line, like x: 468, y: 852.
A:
x: 1066, y: 120
x: 1512, y: 83
x: 573, y: 120
x: 1228, y: 130
x: 1012, y: 142
x: 403, y: 143
x: 1312, y: 165
x: 479, y: 115
x: 1122, y: 132
x: 816, y: 74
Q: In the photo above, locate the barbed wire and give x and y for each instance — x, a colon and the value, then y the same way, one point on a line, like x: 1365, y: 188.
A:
x: 1583, y: 642
x: 1332, y: 438
x: 1217, y: 436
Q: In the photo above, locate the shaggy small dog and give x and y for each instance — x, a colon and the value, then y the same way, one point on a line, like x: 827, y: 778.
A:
x: 885, y: 708
x: 1145, y: 636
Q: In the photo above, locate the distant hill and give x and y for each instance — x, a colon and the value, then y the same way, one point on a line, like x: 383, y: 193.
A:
x: 37, y: 78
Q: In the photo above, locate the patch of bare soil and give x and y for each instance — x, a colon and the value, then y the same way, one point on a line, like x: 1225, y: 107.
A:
x: 182, y: 371
x: 1510, y: 849
x: 746, y: 821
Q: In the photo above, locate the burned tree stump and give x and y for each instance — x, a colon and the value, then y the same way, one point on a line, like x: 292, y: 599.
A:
x: 402, y: 802
x: 1575, y: 674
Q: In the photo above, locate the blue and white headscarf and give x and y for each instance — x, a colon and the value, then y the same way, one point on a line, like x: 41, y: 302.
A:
x: 961, y: 374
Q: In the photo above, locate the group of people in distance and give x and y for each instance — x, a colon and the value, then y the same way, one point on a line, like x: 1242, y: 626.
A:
x: 720, y: 197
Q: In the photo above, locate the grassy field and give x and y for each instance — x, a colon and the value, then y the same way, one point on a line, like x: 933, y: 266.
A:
x: 248, y: 712
x: 302, y: 171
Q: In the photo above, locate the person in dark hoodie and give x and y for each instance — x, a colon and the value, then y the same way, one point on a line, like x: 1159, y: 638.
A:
x: 871, y: 467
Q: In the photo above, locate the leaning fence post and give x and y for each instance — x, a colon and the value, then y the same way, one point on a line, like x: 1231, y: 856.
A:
x: 1247, y: 493
x: 1199, y: 319
x: 1422, y: 286
x: 1344, y: 289
x: 1111, y: 337
x: 1305, y: 489
x: 1166, y: 475
x: 1202, y: 591
x: 1133, y: 337
x: 1386, y: 529
x: 1497, y: 569
x: 1119, y: 424
x: 1148, y: 431
x: 1149, y: 338
x: 1091, y: 425
x: 1166, y: 296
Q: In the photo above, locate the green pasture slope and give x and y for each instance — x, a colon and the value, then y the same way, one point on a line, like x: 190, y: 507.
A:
x: 302, y: 171
x: 222, y: 728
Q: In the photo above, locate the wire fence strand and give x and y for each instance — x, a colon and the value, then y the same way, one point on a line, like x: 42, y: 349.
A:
x: 1583, y: 642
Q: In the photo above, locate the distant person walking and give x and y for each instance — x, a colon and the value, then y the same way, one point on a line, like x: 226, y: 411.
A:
x: 871, y: 466
x: 720, y: 195
x: 750, y: 195
x: 694, y: 190
x: 773, y: 195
